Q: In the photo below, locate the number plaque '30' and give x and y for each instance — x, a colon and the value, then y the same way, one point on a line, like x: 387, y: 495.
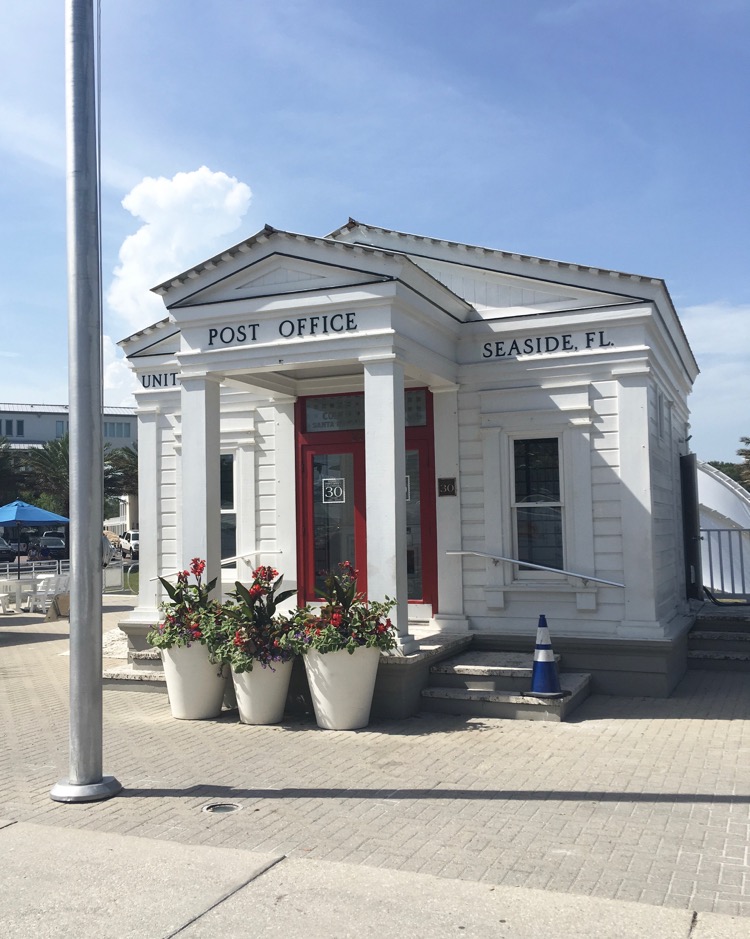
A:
x: 334, y: 489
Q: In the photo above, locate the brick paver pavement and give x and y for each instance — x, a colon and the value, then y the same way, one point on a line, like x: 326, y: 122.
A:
x: 637, y: 799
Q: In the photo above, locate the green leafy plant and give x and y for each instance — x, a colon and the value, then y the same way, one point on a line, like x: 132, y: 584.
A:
x: 190, y: 614
x: 255, y: 633
x: 346, y: 619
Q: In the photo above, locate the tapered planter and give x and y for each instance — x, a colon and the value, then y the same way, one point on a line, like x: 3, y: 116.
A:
x: 195, y: 685
x: 261, y: 693
x: 341, y: 686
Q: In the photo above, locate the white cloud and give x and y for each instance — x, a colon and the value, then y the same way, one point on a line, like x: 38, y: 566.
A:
x: 719, y: 335
x: 185, y: 219
x: 118, y: 381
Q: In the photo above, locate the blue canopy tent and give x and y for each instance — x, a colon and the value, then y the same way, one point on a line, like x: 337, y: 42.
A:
x: 21, y: 513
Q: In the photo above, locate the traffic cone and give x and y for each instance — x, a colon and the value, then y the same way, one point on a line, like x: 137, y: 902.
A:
x: 545, y: 682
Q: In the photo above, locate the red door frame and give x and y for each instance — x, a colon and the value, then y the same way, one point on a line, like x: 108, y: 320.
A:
x: 421, y: 439
x: 305, y: 550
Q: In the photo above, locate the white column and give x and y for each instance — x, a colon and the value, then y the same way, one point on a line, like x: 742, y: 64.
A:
x: 450, y: 611
x: 246, y: 491
x: 636, y: 507
x: 286, y: 495
x: 149, y: 476
x: 201, y: 507
x: 385, y: 473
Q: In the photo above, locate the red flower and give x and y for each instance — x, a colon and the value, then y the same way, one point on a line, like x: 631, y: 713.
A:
x: 197, y: 566
x: 336, y: 619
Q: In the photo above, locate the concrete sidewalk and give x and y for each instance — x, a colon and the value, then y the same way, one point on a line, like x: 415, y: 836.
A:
x: 62, y: 883
x: 631, y: 820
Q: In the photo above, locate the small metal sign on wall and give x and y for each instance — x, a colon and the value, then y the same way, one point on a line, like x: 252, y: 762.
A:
x: 334, y: 489
x: 447, y: 486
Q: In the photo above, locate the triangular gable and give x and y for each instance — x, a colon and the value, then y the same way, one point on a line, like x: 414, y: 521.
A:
x: 278, y: 274
x: 159, y: 340
x: 493, y: 280
x: 505, y: 294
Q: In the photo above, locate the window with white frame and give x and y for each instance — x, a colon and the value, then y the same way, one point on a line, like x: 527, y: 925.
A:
x: 228, y: 513
x: 537, y: 501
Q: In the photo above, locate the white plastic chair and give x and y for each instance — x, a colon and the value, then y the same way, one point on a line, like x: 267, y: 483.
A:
x: 40, y: 601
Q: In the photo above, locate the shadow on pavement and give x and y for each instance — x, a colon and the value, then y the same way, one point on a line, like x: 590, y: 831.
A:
x: 19, y: 639
x: 483, y: 795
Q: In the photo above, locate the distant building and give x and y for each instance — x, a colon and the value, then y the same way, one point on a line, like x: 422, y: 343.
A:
x: 30, y: 426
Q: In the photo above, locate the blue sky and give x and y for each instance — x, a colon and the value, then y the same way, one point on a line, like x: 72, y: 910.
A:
x: 612, y: 133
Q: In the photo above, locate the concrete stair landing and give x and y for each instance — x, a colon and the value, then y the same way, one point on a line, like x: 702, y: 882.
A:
x: 720, y: 639
x: 496, y: 684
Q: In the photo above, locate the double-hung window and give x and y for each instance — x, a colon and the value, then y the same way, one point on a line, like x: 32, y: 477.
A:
x: 228, y: 512
x: 537, y: 502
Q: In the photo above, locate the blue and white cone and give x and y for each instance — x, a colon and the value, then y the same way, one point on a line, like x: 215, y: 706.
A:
x: 545, y: 682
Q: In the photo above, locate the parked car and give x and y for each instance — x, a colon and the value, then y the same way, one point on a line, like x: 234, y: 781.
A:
x: 130, y: 544
x: 7, y: 552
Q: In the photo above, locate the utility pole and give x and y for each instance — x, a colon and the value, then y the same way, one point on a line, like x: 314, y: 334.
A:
x: 85, y: 782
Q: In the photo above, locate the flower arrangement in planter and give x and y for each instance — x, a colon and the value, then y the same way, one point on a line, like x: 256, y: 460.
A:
x: 190, y: 638
x: 190, y: 613
x: 256, y: 636
x: 346, y: 620
x: 341, y: 644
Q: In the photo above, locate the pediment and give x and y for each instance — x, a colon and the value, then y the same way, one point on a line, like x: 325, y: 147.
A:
x: 277, y: 274
x: 505, y: 294
x: 151, y: 343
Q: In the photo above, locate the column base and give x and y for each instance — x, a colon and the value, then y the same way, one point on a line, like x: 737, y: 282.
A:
x: 454, y: 624
x: 406, y: 645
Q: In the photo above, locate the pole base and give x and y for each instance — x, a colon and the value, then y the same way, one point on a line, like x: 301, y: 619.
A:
x: 65, y: 791
x: 547, y: 694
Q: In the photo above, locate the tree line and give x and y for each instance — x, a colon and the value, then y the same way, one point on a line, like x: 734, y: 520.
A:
x: 41, y: 475
x: 739, y: 472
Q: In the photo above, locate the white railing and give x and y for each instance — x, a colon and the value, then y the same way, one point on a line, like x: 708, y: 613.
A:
x: 725, y: 554
x: 496, y: 558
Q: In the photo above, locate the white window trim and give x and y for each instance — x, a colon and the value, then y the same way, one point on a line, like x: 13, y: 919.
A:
x: 571, y: 425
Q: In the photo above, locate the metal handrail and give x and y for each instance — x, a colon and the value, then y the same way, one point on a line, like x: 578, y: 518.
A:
x: 496, y: 558
x: 222, y: 563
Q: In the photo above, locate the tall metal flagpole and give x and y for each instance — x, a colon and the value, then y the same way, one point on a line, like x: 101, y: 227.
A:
x: 85, y: 783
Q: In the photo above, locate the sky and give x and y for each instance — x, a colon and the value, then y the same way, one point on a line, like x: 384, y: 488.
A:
x: 610, y: 133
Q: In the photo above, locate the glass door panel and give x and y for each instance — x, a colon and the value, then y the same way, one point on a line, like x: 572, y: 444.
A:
x: 332, y: 499
x: 413, y: 526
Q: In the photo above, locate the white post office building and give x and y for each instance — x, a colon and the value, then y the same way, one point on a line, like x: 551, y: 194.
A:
x: 486, y: 436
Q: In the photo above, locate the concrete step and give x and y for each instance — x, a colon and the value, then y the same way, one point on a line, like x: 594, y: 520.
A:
x: 716, y: 661
x: 510, y: 705
x: 710, y: 640
x: 145, y: 659
x: 485, y: 671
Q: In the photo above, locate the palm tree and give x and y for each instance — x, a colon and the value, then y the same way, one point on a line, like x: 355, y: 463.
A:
x: 9, y: 474
x: 49, y: 476
x: 121, y: 470
x: 744, y: 452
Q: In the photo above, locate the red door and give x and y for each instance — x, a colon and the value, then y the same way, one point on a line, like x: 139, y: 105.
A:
x: 332, y: 494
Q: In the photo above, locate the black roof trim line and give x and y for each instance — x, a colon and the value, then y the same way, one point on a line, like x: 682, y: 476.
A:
x: 287, y: 293
x: 478, y: 267
x: 156, y: 342
x: 272, y: 254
